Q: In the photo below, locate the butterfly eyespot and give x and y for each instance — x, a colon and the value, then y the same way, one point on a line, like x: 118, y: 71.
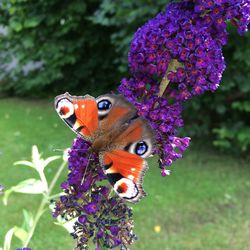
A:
x: 104, y: 105
x: 126, y: 188
x: 141, y: 148
x: 65, y: 108
x: 122, y: 188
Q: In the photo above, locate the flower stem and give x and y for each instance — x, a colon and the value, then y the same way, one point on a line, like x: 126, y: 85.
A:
x: 44, y: 180
x: 44, y: 201
x: 173, y: 66
x: 39, y: 213
x: 57, y: 175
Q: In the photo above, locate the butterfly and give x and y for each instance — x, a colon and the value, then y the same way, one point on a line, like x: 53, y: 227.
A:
x: 121, y: 138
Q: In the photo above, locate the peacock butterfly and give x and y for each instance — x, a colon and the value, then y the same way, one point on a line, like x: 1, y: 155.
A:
x: 121, y: 138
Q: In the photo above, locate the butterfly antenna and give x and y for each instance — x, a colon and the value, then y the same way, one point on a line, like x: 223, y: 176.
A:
x: 85, y: 172
x: 71, y: 149
x: 89, y: 158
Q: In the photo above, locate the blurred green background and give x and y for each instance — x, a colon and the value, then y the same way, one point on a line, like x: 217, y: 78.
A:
x: 48, y: 47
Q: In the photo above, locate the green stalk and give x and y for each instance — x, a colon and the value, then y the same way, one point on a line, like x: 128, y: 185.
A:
x: 41, y: 209
x: 43, y: 179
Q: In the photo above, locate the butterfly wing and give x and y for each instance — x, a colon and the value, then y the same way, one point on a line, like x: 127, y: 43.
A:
x: 125, y: 165
x: 123, y: 139
x: 125, y: 173
x: 121, y: 111
x: 79, y: 113
x: 85, y: 114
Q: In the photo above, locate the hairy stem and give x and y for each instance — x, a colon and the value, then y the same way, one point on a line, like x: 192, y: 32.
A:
x: 44, y: 180
x: 57, y: 175
x: 39, y: 213
x: 41, y: 209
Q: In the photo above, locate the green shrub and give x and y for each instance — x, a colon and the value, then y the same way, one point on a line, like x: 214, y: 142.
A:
x: 83, y: 48
x: 76, y: 54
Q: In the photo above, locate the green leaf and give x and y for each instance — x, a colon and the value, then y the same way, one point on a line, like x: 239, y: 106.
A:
x: 15, y: 25
x: 28, y: 42
x: 31, y: 22
x: 242, y: 106
x: 28, y: 219
x: 25, y: 163
x: 21, y: 234
x: 29, y: 186
x: 50, y: 159
x: 68, y: 225
x: 8, y: 238
x: 12, y: 10
x: 102, y: 245
x: 38, y: 162
x: 36, y: 157
x: 222, y: 143
x: 6, y: 196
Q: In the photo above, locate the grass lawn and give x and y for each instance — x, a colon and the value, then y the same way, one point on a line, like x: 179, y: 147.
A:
x: 204, y: 204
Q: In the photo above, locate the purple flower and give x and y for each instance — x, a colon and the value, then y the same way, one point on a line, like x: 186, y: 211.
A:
x: 99, y: 235
x: 90, y: 208
x: 105, y: 219
x: 64, y: 185
x: 165, y: 172
x: 114, y: 230
x: 163, y: 116
x: 83, y: 219
x: 191, y: 32
x: 173, y: 57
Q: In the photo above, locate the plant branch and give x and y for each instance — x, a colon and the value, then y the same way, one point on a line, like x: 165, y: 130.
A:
x: 44, y: 201
x: 172, y: 67
x: 57, y: 175
x: 44, y: 180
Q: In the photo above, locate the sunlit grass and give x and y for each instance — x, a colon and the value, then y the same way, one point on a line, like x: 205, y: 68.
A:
x: 204, y: 204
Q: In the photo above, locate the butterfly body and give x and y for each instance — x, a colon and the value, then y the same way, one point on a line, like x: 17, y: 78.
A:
x: 121, y: 138
x: 104, y: 140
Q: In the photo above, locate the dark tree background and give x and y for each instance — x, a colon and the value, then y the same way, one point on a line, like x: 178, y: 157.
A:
x: 81, y: 47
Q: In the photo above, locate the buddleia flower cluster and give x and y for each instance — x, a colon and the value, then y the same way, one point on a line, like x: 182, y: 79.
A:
x: 173, y: 57
x: 179, y: 51
x: 104, y: 218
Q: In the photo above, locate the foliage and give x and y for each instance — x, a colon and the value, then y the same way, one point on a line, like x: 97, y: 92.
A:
x: 73, y: 45
x: 64, y: 45
x: 65, y: 39
x: 126, y: 17
x: 201, y: 205
x: 33, y: 186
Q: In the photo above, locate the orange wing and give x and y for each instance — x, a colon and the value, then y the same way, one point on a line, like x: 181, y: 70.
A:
x: 125, y: 173
x: 79, y: 113
x: 86, y: 116
x: 131, y: 141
